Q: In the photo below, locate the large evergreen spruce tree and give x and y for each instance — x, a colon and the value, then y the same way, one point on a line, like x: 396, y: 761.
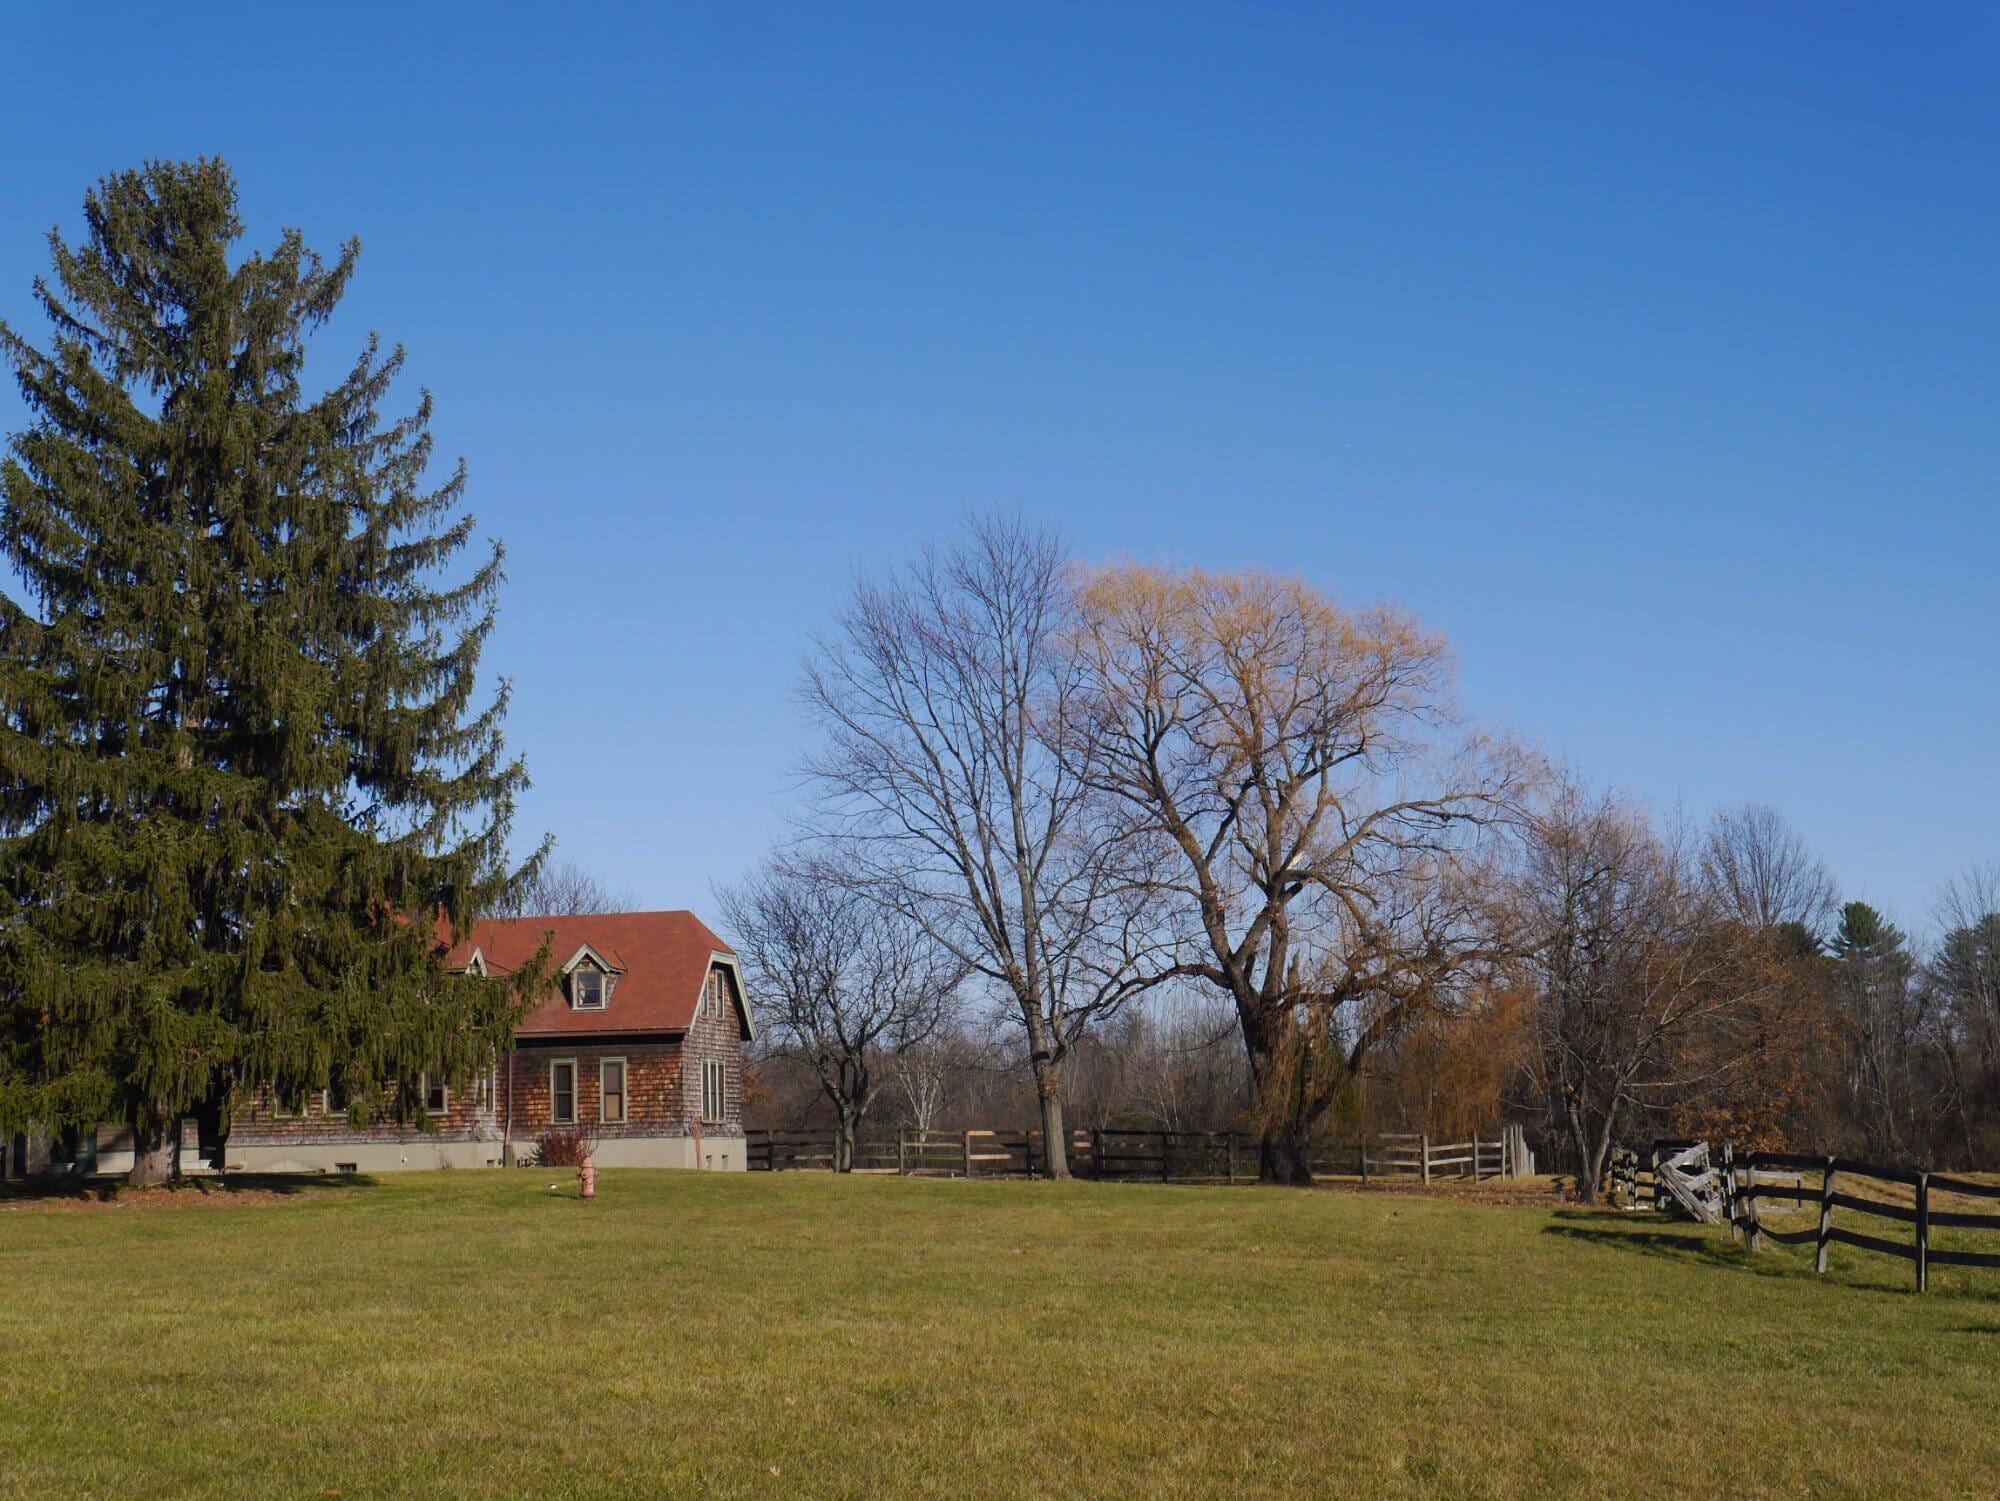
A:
x: 245, y: 789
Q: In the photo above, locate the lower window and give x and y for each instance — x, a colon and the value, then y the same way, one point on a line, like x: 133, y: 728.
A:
x: 562, y: 1093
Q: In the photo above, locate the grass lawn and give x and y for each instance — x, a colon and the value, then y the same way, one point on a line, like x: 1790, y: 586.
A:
x: 446, y: 1334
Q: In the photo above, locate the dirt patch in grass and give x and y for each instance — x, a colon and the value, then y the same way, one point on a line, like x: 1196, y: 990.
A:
x: 1534, y: 1193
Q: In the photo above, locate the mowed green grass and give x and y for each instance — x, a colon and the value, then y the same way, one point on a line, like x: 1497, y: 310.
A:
x: 468, y: 1334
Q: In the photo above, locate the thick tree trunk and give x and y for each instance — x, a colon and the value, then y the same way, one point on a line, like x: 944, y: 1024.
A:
x: 156, y: 1151
x: 1281, y: 1150
x: 1055, y: 1135
x: 1281, y: 1157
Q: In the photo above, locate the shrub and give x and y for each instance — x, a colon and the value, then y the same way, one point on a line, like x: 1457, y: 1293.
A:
x: 563, y: 1148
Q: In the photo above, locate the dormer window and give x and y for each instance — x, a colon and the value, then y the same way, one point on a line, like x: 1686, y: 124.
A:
x: 587, y: 990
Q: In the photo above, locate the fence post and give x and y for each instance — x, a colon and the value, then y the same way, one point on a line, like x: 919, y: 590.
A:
x: 1229, y: 1155
x: 1028, y: 1153
x: 968, y: 1156
x: 1756, y: 1232
x: 1424, y: 1144
x: 1364, y: 1157
x: 1097, y: 1154
x: 1825, y: 1215
x: 1923, y: 1231
x: 1728, y: 1177
x: 1164, y: 1149
x: 902, y: 1153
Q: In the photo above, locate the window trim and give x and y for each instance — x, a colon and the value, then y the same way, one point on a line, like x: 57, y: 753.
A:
x: 424, y: 1093
x: 574, y: 1102
x: 576, y: 979
x: 624, y: 1092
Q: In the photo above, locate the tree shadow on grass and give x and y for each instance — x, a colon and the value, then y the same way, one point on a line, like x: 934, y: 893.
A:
x: 1679, y: 1243
x: 1692, y: 1244
x: 205, y: 1188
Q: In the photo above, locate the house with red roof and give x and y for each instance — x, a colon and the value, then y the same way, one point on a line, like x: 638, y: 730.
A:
x: 636, y: 1042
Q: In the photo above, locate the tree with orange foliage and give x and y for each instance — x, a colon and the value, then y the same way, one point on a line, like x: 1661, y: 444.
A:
x: 1320, y: 810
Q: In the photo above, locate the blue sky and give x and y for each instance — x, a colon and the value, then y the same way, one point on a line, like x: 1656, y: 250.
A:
x: 1651, y: 353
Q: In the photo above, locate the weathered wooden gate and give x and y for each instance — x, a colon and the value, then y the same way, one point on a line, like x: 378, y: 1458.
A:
x: 1688, y: 1178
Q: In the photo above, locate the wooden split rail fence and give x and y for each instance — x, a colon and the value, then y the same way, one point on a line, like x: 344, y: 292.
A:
x: 1224, y: 1157
x: 1816, y: 1189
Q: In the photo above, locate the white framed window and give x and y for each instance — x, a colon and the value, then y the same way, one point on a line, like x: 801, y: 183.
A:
x: 718, y: 992
x: 714, y: 1090
x: 562, y: 1092
x: 611, y: 1091
x: 437, y: 1098
x: 484, y: 1089
x: 587, y: 990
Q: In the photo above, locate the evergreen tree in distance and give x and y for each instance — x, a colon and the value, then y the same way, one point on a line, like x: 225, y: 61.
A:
x: 245, y: 786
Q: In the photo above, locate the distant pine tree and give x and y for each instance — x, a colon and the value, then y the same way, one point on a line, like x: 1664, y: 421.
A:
x: 244, y: 786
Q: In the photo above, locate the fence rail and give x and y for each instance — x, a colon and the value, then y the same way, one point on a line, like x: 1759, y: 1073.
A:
x: 1224, y: 1157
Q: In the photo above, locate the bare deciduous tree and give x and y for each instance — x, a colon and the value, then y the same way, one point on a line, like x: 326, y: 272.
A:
x: 1635, y: 970
x: 1765, y: 875
x: 1298, y: 762
x: 563, y: 888
x: 845, y: 983
x: 925, y: 1074
x: 944, y: 700
x: 1964, y: 976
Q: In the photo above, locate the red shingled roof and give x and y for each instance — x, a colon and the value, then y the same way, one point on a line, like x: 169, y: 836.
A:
x: 661, y: 959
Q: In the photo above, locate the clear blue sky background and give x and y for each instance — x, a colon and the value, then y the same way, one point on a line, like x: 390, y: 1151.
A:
x: 1651, y: 352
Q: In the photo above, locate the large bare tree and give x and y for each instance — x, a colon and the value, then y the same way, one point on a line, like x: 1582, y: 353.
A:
x: 845, y: 983
x: 944, y: 699
x: 1318, y: 807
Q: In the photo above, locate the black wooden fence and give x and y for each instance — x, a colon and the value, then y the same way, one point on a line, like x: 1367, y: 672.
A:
x: 1924, y: 1202
x: 1808, y: 1197
x: 1224, y: 1157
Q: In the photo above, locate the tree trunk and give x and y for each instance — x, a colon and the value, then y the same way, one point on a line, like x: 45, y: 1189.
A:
x: 1055, y: 1136
x: 1589, y: 1164
x: 843, y: 1142
x: 156, y: 1154
x: 1281, y: 1148
x: 1281, y: 1157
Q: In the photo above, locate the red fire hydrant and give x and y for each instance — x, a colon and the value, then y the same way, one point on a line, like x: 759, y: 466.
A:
x: 587, y: 1175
